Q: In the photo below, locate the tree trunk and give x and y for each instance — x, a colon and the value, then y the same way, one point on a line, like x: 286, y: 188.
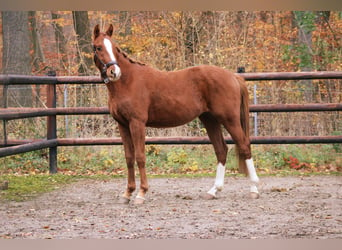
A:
x: 305, y: 24
x: 60, y: 42
x: 16, y: 55
x: 84, y: 51
x: 192, y: 34
x: 81, y: 26
x: 190, y: 40
x: 125, y: 19
x: 38, y: 58
x: 322, y: 20
x: 38, y: 55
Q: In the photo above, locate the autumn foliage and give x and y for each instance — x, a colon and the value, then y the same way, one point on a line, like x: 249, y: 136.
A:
x: 260, y: 41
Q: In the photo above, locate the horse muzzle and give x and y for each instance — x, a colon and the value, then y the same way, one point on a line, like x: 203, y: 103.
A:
x: 114, y: 73
x: 111, y: 72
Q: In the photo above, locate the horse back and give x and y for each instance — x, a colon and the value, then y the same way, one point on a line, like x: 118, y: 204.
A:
x: 180, y: 96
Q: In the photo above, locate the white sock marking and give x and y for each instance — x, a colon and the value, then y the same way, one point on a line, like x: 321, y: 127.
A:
x: 140, y: 197
x: 254, y: 189
x: 252, y: 175
x: 220, y: 171
x: 219, y: 180
x: 251, y: 170
x: 213, y: 191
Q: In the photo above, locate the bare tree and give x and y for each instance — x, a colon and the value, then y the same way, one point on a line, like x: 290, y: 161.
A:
x: 84, y: 52
x: 125, y: 20
x: 61, y: 43
x: 37, y: 56
x: 16, y: 55
x: 305, y: 24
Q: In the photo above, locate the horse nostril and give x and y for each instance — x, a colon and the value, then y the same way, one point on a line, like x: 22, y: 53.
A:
x: 112, y: 72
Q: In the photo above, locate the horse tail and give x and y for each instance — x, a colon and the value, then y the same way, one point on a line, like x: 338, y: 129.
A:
x: 244, y: 120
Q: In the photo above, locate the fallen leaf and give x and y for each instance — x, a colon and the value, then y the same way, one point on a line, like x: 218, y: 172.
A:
x: 278, y: 190
x: 217, y: 211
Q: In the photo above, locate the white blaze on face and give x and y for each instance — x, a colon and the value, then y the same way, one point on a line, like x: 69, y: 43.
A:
x: 109, y: 48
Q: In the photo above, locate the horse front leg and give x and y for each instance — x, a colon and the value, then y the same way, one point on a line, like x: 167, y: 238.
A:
x: 130, y: 160
x: 137, y: 129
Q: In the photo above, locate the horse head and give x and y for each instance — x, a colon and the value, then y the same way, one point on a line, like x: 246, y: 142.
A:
x: 104, y: 57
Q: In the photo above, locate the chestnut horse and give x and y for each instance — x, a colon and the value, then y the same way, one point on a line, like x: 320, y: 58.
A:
x: 141, y: 96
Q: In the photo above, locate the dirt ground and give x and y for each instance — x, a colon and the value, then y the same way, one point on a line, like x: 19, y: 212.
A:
x: 289, y: 207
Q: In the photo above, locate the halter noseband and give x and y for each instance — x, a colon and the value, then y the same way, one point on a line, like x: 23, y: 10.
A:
x: 105, y: 66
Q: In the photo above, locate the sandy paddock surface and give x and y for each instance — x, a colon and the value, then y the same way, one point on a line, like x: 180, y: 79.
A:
x: 289, y: 208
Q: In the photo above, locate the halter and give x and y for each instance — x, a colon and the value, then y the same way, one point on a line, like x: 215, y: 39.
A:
x: 105, y: 66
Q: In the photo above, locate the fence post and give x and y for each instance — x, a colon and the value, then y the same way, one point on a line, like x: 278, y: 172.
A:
x: 52, y: 124
x: 255, y: 113
x: 4, y: 121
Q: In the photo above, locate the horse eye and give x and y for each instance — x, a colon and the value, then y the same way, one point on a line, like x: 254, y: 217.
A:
x: 98, y: 48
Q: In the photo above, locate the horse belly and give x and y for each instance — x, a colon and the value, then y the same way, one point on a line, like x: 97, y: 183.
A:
x: 173, y: 113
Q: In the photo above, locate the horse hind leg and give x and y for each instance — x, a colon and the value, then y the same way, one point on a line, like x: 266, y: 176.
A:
x: 244, y: 153
x: 213, y: 128
x: 253, y: 178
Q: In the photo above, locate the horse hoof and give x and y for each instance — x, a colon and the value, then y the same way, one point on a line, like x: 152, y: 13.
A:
x: 123, y: 200
x: 254, y: 195
x: 139, y: 201
x: 207, y: 196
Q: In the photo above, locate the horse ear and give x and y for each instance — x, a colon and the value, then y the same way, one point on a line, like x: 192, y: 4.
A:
x: 109, y: 31
x: 96, y: 31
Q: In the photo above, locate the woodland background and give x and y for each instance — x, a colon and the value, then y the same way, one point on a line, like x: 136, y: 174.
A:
x: 36, y: 42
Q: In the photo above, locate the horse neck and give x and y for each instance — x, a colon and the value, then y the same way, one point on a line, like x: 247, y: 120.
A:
x: 128, y: 68
x: 124, y: 61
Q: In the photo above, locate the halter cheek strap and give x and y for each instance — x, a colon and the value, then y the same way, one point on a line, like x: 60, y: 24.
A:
x: 105, y: 66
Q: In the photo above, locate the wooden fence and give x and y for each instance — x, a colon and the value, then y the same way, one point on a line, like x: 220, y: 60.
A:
x: 10, y: 147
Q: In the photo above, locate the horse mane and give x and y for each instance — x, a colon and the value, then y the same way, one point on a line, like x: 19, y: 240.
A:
x: 124, y: 54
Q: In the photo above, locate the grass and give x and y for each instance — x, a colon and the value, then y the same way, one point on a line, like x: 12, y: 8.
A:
x: 26, y: 187
x: 28, y: 176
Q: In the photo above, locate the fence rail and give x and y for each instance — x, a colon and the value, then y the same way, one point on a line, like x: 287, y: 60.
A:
x: 52, y: 142
x: 20, y: 113
x: 24, y: 79
x: 173, y: 141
